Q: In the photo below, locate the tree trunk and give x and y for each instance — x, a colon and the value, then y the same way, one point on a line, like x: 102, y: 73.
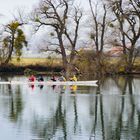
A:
x: 10, y: 50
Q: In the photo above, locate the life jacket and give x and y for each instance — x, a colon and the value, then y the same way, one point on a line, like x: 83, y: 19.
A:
x: 73, y: 78
x: 32, y: 78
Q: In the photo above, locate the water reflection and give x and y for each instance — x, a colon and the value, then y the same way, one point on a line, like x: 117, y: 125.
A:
x: 32, y: 86
x: 109, y: 111
x: 41, y: 86
x: 73, y: 89
x: 16, y: 105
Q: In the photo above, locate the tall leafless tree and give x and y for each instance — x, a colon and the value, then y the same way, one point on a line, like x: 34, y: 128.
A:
x: 56, y: 14
x: 99, y: 26
x: 127, y: 13
x: 99, y: 29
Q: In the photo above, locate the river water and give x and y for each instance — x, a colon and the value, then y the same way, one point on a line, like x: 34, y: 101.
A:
x: 110, y: 111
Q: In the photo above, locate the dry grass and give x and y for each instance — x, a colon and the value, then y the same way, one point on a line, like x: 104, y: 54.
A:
x: 137, y: 62
x: 37, y: 61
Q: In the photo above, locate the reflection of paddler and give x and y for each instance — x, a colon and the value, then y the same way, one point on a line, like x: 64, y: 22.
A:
x: 62, y: 88
x: 53, y: 87
x: 40, y: 86
x: 74, y: 78
x: 32, y: 86
x: 73, y: 87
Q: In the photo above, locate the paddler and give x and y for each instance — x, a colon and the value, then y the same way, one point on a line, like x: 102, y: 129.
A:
x: 40, y: 78
x: 32, y: 78
x: 53, y: 78
x: 62, y: 78
x: 74, y: 78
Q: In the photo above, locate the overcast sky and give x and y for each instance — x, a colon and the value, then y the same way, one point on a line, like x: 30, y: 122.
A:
x: 8, y: 7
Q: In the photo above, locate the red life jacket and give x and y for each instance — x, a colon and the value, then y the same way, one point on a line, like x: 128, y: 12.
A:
x: 32, y: 78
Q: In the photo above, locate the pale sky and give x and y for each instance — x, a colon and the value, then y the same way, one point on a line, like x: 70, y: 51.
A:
x: 9, y: 7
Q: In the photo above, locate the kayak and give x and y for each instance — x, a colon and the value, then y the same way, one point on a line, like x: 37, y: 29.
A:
x: 80, y: 83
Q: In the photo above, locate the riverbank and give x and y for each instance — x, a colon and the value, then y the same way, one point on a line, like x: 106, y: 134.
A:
x: 46, y: 70
x: 20, y: 70
x: 47, y: 66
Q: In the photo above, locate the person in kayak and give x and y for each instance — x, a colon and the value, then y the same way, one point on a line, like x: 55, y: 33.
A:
x: 53, y: 78
x: 40, y: 78
x: 62, y: 78
x: 32, y: 78
x: 74, y: 78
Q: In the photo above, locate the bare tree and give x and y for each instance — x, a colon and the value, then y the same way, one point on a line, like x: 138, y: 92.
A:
x: 99, y: 26
x: 56, y: 14
x: 127, y: 13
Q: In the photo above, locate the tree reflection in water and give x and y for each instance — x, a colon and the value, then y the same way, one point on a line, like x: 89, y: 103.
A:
x: 16, y: 105
x: 109, y: 111
x: 15, y: 101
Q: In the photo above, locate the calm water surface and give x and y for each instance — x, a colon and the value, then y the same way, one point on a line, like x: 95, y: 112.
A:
x: 110, y: 111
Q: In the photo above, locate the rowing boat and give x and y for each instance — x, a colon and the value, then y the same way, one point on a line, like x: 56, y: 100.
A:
x: 80, y: 83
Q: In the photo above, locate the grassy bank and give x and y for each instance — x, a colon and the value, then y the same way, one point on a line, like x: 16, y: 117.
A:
x: 40, y: 65
x: 86, y: 65
x: 37, y: 61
